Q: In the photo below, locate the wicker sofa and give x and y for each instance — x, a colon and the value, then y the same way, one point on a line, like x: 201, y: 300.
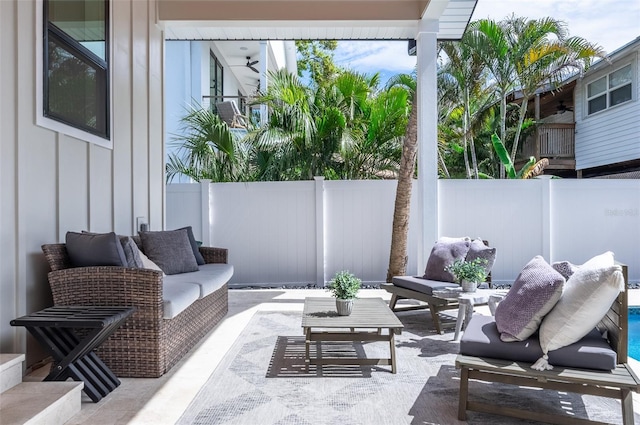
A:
x: 148, y: 344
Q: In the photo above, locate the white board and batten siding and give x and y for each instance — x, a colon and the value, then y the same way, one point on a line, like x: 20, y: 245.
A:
x: 51, y: 182
x: 612, y: 135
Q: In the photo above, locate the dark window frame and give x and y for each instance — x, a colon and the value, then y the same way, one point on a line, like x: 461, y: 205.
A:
x: 218, y: 90
x: 66, y: 42
x: 606, y: 93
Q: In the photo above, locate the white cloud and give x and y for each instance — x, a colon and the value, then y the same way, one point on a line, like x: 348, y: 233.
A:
x: 373, y: 56
x: 609, y: 23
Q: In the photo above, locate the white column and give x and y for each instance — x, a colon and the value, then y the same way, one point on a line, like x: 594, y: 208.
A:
x: 426, y: 48
x: 264, y: 81
x: 205, y: 203
x: 320, y: 272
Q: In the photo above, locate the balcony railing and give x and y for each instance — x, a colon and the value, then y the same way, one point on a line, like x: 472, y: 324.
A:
x: 551, y: 141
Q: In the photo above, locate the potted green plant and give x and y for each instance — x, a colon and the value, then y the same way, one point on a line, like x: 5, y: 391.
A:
x: 344, y: 286
x: 468, y: 274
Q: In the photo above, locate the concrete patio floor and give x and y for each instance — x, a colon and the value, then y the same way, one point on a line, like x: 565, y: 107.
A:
x: 163, y: 400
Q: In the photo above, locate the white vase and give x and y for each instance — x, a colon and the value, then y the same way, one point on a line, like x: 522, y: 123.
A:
x: 344, y: 307
x: 469, y: 286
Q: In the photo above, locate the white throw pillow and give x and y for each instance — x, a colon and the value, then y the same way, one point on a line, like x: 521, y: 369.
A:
x: 586, y: 298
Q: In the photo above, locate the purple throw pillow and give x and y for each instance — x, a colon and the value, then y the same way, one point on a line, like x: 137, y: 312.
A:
x: 535, y: 292
x: 565, y: 268
x: 478, y: 249
x: 442, y: 255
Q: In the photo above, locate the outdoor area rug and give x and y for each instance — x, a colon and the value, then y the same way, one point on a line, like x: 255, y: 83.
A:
x: 262, y: 380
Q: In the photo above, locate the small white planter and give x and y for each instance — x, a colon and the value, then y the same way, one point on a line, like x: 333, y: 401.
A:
x: 469, y: 286
x: 344, y: 307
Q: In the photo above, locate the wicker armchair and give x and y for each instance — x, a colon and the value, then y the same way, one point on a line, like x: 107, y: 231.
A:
x: 147, y: 345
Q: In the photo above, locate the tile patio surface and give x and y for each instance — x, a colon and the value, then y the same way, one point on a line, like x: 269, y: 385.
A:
x: 163, y: 400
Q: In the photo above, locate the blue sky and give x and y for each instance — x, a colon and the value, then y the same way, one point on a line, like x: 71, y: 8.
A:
x: 609, y: 23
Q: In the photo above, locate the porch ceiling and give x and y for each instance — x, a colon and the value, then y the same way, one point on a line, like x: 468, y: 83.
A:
x: 310, y: 19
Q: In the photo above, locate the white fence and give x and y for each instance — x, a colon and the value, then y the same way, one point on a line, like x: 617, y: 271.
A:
x: 301, y: 233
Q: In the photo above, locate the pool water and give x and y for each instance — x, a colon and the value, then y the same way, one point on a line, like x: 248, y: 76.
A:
x: 634, y: 332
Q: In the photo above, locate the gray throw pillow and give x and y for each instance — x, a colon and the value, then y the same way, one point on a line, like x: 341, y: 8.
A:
x: 478, y: 249
x: 535, y: 292
x: 194, y: 245
x: 443, y: 254
x: 170, y: 250
x: 95, y: 249
x: 131, y: 252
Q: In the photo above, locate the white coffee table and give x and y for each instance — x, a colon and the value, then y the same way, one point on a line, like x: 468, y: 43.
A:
x: 466, y: 302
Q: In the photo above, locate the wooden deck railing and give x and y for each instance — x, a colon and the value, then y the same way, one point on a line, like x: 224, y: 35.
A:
x: 551, y: 141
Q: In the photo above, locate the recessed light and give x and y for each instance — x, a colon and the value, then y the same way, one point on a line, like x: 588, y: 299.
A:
x: 243, y: 48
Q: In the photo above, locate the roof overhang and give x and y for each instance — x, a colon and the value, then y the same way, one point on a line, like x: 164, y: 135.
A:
x: 310, y: 19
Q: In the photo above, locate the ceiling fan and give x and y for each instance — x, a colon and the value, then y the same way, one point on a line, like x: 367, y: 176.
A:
x: 562, y: 107
x: 250, y: 65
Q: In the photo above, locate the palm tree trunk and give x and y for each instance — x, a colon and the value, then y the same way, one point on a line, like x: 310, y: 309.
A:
x: 398, y: 254
x: 503, y: 127
x: 516, y: 139
x: 467, y: 130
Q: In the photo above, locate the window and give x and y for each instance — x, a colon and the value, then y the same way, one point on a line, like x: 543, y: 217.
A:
x: 215, y: 77
x: 610, y: 90
x: 76, y: 64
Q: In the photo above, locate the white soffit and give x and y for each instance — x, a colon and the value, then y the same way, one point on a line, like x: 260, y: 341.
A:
x: 453, y: 17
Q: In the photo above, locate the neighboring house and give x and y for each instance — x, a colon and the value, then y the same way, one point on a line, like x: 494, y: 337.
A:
x: 203, y: 73
x: 590, y: 125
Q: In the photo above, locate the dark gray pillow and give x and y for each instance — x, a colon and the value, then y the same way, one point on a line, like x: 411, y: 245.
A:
x: 131, y: 252
x: 95, y: 249
x: 170, y: 250
x: 194, y: 245
x: 478, y: 249
x: 443, y: 254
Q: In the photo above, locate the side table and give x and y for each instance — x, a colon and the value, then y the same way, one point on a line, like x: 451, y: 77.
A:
x: 466, y: 302
x: 56, y: 329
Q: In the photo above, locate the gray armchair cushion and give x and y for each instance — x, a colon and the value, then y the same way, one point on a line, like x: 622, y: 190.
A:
x: 443, y: 254
x: 95, y: 249
x: 170, y: 250
x: 422, y: 285
x: 482, y: 339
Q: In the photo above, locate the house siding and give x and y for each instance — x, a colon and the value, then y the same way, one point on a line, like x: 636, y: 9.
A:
x: 51, y: 183
x: 613, y: 135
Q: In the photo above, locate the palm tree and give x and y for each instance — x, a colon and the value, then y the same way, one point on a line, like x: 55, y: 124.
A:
x: 524, y: 54
x: 206, y: 149
x: 542, y: 54
x: 490, y: 40
x: 464, y: 68
x: 402, y: 206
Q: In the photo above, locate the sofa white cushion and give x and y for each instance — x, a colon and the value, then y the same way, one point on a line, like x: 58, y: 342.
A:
x: 586, y: 298
x: 177, y: 296
x: 209, y: 278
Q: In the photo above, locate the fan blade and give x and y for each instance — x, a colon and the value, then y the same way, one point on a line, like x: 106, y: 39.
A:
x: 252, y: 63
x: 254, y: 69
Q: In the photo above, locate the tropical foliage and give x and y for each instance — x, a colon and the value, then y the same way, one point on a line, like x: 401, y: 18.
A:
x: 342, y: 125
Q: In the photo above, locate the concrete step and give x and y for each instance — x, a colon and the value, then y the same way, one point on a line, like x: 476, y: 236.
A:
x: 10, y: 370
x: 41, y: 403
